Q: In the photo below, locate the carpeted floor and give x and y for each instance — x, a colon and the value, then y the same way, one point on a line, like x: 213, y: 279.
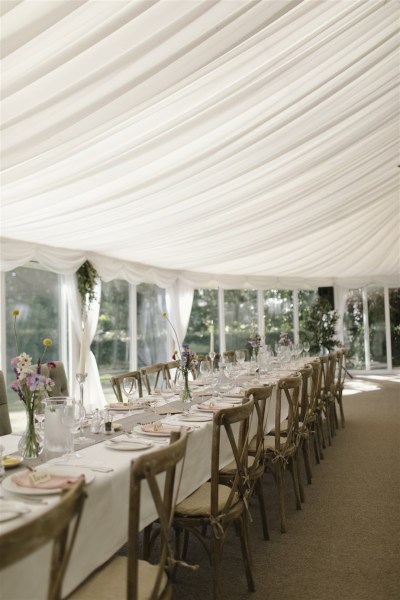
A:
x: 344, y: 543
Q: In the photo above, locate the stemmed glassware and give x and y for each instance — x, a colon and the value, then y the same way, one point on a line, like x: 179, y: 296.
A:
x: 40, y: 409
x: 168, y: 389
x: 205, y: 370
x: 130, y: 389
x: 72, y: 416
x: 306, y: 347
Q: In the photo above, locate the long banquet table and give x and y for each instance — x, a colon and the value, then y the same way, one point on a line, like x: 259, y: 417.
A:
x: 104, y: 523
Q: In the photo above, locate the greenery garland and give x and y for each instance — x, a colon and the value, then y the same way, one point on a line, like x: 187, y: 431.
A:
x: 86, y: 277
x: 321, y: 326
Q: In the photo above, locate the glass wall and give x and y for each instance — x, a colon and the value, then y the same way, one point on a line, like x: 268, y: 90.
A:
x: 151, y: 325
x: 36, y: 294
x: 278, y: 310
x: 305, y: 300
x: 377, y: 331
x: 240, y: 317
x: 111, y: 344
x: 204, y: 312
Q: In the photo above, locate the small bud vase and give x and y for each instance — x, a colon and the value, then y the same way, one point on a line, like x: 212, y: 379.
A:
x: 30, y: 445
x: 186, y: 395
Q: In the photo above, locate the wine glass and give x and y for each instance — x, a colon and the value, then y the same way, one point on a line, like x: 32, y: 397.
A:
x: 168, y: 389
x: 71, y: 418
x: 205, y: 370
x: 306, y: 347
x: 130, y: 389
x: 240, y: 356
x: 40, y: 409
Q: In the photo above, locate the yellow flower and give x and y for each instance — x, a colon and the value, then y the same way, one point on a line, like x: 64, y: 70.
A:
x: 164, y: 314
x: 15, y: 312
x: 47, y: 342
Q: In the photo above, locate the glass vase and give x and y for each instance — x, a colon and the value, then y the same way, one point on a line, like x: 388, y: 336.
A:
x: 31, y: 443
x: 186, y: 395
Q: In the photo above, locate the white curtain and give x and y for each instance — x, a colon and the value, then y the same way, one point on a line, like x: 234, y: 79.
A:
x: 179, y: 300
x: 340, y: 297
x: 93, y: 392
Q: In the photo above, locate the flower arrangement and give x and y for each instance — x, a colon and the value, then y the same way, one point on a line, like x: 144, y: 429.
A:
x: 284, y: 339
x: 86, y: 278
x: 31, y: 387
x: 255, y: 343
x: 187, y: 362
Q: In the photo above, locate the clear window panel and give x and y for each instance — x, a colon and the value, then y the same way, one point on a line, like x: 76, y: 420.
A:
x: 394, y: 304
x: 240, y: 318
x: 305, y: 299
x: 204, y: 311
x: 353, y: 329
x: 377, y: 331
x: 152, y: 332
x: 111, y: 344
x: 35, y: 293
x: 278, y: 310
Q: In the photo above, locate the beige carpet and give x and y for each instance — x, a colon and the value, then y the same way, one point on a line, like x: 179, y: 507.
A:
x: 344, y: 543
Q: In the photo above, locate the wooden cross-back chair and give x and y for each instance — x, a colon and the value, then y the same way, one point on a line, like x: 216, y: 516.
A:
x: 281, y: 447
x: 58, y: 526
x: 313, y: 410
x: 339, y: 382
x: 328, y: 364
x: 116, y: 383
x: 152, y: 375
x: 304, y: 425
x: 262, y: 400
x: 129, y: 577
x: 216, y: 506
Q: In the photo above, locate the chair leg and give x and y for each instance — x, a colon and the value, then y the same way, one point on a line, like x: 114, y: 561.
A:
x: 244, y: 542
x: 279, y: 485
x: 321, y: 433
x: 216, y: 551
x: 305, y: 447
x: 342, y: 419
x: 263, y: 511
x: 299, y: 476
x: 293, y: 473
x: 328, y: 422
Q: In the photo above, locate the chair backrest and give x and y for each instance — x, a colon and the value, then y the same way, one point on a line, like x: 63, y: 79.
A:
x: 116, y: 383
x: 224, y: 419
x: 229, y: 356
x: 316, y: 377
x: 262, y: 400
x: 171, y: 370
x: 287, y: 389
x: 307, y: 392
x: 5, y: 424
x: 147, y: 467
x: 328, y: 365
x: 340, y: 373
x: 58, y: 525
x: 58, y: 375
x: 152, y: 374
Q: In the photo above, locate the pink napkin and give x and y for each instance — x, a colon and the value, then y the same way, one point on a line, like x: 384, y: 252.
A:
x: 56, y: 481
x: 165, y: 429
x: 214, y: 408
x: 118, y: 405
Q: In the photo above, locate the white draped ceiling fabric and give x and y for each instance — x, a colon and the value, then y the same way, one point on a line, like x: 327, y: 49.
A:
x: 203, y: 143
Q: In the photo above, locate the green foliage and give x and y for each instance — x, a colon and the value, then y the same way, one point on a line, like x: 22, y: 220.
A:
x: 86, y: 277
x: 320, y: 326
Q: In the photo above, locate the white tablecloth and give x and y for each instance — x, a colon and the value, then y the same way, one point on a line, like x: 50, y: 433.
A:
x: 104, y: 524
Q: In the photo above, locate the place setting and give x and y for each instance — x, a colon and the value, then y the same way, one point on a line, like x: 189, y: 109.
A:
x: 46, y: 480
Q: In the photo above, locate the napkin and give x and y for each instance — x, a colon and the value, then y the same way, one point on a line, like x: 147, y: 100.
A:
x: 55, y: 482
x: 213, y: 407
x: 161, y: 428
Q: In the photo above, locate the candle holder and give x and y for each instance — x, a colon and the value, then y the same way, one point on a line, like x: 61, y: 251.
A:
x: 81, y: 378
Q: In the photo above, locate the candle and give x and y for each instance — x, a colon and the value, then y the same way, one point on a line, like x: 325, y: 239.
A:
x: 82, y: 355
x: 212, y: 337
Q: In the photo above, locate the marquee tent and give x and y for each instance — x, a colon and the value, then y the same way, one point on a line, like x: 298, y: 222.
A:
x: 216, y: 143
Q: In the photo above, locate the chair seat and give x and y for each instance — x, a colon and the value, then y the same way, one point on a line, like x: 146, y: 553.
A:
x: 231, y: 468
x: 110, y: 581
x: 198, y: 503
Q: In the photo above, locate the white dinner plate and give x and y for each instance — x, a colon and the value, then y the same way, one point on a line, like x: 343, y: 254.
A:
x: 194, y: 417
x: 211, y: 409
x: 127, y: 445
x: 11, y: 509
x: 11, y: 486
x: 161, y: 433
